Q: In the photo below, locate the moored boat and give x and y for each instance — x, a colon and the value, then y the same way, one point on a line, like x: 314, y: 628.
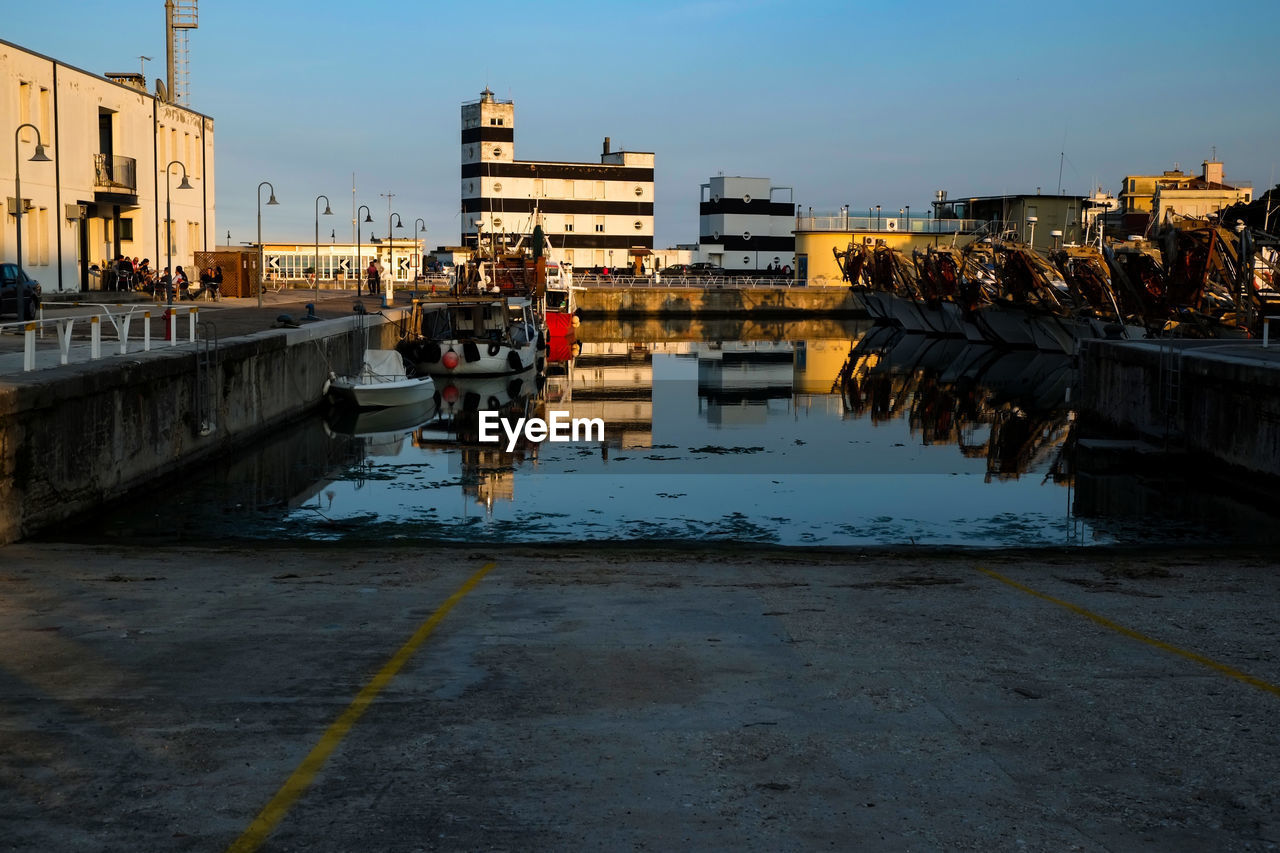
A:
x: 470, y: 336
x: 383, y: 381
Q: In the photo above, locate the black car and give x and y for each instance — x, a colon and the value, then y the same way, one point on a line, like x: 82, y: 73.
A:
x: 19, y: 293
x: 705, y: 269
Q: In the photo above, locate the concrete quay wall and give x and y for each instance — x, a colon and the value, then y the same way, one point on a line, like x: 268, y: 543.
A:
x: 77, y: 436
x: 726, y: 301
x: 1220, y: 400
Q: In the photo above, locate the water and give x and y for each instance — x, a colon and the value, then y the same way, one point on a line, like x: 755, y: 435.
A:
x: 814, y: 433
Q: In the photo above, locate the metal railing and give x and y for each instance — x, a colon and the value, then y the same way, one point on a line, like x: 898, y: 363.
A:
x: 888, y: 224
x: 115, y: 172
x: 121, y: 322
x: 702, y: 282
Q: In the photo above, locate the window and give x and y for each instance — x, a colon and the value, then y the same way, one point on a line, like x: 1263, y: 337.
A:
x: 1133, y: 185
x: 497, y: 151
x: 42, y: 234
x: 639, y: 224
x: 493, y: 122
x: 599, y: 257
x: 639, y: 191
x: 497, y: 186
x: 568, y: 224
x: 126, y: 230
x: 599, y: 189
x: 599, y: 224
x: 24, y: 109
x: 499, y: 122
x: 537, y: 187
x: 44, y: 113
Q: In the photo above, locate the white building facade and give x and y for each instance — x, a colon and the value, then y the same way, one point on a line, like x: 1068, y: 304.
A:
x: 593, y: 214
x: 746, y: 224
x: 104, y: 193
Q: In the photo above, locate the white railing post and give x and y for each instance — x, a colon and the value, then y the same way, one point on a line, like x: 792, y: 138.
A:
x: 191, y: 313
x: 124, y: 334
x: 64, y: 339
x: 95, y: 337
x: 173, y: 326
x: 146, y: 331
x: 29, y: 347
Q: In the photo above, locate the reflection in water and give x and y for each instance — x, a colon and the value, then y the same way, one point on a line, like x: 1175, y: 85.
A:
x: 795, y: 433
x: 1009, y: 407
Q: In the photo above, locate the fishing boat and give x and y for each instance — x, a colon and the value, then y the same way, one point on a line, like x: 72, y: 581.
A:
x: 559, y: 304
x: 482, y: 335
x: 382, y: 381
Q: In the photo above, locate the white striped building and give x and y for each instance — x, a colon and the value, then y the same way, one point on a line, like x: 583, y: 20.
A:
x: 594, y: 214
x: 746, y: 224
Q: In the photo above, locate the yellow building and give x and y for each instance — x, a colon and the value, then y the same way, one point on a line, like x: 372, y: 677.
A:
x: 1143, y: 197
x: 819, y: 237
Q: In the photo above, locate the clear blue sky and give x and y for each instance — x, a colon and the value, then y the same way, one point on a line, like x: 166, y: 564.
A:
x: 849, y: 103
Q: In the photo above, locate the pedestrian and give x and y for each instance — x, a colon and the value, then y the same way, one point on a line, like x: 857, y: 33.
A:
x: 371, y: 277
x: 381, y: 272
x: 217, y: 282
x: 164, y: 287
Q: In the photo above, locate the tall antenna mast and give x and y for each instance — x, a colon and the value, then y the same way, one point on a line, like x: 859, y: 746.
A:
x: 180, y: 16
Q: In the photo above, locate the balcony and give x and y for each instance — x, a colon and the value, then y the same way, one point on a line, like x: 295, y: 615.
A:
x: 115, y: 174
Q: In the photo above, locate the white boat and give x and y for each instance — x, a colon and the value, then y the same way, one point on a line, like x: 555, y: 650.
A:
x: 470, y: 336
x: 383, y: 381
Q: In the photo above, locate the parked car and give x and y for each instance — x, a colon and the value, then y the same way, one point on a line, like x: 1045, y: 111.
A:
x: 705, y: 269
x: 19, y: 293
x: 676, y: 270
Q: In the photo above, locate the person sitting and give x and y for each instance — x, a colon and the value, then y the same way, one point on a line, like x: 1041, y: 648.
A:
x: 217, y: 282
x: 180, y: 283
x: 206, y: 281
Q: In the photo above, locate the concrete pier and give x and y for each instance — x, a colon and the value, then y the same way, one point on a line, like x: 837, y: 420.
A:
x: 711, y: 301
x: 77, y: 436
x: 1220, y: 399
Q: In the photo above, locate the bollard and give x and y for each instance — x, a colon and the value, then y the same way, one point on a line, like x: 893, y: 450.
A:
x: 192, y: 326
x: 95, y: 337
x: 146, y: 331
x: 29, y: 346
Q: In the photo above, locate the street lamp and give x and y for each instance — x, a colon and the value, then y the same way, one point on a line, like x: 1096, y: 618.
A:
x: 416, y: 251
x: 38, y: 157
x: 908, y: 224
x: 360, y: 260
x: 877, y: 217
x: 327, y: 212
x: 261, y: 257
x: 391, y: 257
x: 168, y: 219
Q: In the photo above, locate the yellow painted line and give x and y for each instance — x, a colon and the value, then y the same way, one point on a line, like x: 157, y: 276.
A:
x: 296, y: 785
x: 1228, y: 671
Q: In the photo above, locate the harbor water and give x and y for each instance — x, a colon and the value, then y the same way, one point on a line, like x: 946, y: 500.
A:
x: 822, y: 432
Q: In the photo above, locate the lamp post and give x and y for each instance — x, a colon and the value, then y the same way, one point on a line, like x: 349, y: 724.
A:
x: 416, y: 252
x: 908, y: 209
x: 360, y: 260
x: 261, y: 257
x: 327, y: 212
x: 877, y: 217
x: 168, y: 219
x: 388, y: 292
x: 38, y: 157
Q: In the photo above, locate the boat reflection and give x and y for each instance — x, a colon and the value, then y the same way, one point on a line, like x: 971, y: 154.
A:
x: 1009, y: 407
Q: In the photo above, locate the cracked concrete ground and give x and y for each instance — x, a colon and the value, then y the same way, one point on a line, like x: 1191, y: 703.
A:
x: 633, y: 698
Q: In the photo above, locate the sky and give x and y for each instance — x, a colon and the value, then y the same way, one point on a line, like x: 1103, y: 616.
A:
x: 845, y: 102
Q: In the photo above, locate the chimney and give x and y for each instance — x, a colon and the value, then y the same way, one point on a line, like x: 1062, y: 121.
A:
x: 605, y: 153
x: 1211, y: 171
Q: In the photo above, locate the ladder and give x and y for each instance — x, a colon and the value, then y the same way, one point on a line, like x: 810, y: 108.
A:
x: 1170, y: 391
x: 205, y: 405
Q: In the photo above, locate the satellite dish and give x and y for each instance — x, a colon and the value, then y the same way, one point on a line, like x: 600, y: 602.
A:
x: 162, y: 91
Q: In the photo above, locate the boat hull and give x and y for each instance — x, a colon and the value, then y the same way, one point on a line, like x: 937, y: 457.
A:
x: 380, y: 395
x: 471, y: 358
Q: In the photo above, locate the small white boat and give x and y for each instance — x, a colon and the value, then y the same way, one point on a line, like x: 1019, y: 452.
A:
x: 383, y: 381
x: 487, y: 335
